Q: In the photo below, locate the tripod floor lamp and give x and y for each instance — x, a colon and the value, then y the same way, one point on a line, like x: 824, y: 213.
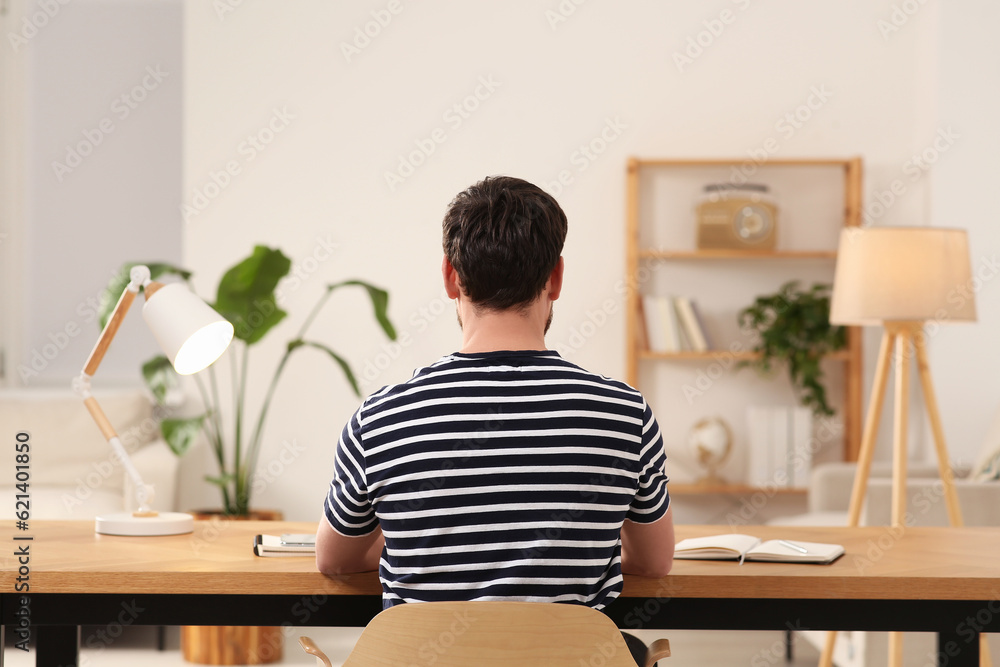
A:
x: 193, y: 336
x: 901, y: 278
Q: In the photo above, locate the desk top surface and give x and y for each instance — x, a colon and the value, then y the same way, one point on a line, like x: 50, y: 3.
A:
x: 880, y: 563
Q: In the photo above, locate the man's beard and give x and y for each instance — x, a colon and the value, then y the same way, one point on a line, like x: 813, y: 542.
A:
x: 548, y: 322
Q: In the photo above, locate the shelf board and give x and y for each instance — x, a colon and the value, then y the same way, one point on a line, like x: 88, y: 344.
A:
x: 691, y: 355
x: 725, y: 162
x: 738, y: 254
x: 730, y: 489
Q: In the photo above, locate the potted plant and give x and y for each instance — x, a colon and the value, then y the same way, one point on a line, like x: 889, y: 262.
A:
x: 246, y: 297
x: 793, y: 327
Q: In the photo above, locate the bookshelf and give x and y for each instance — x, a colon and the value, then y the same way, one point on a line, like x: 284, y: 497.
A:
x: 815, y: 199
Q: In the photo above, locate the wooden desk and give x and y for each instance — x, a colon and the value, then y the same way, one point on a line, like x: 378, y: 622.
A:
x: 942, y: 580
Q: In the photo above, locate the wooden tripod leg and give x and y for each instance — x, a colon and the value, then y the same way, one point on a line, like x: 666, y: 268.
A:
x: 900, y: 419
x: 930, y: 399
x: 868, y: 438
x: 895, y: 649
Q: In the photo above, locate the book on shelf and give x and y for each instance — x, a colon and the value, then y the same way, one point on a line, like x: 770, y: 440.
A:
x: 671, y: 325
x: 280, y: 545
x: 642, y: 331
x: 737, y: 546
x: 691, y: 324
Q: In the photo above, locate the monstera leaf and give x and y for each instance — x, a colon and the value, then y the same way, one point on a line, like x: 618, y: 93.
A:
x: 246, y: 293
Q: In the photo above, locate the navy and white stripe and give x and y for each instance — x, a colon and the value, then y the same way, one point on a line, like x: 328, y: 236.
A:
x: 501, y: 475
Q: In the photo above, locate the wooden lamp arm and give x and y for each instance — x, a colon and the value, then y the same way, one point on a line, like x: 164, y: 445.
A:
x: 139, y: 277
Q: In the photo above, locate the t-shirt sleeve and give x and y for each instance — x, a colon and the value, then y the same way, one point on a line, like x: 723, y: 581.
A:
x: 652, y: 498
x: 348, y: 509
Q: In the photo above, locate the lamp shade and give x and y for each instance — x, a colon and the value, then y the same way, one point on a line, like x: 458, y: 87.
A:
x: 889, y: 274
x: 189, y: 332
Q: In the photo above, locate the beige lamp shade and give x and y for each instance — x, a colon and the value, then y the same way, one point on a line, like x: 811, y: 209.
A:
x: 189, y: 332
x: 890, y: 274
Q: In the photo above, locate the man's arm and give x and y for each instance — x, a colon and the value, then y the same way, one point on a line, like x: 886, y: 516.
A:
x: 648, y: 548
x: 338, y: 554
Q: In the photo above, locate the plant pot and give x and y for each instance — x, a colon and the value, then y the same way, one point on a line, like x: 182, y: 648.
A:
x: 232, y: 645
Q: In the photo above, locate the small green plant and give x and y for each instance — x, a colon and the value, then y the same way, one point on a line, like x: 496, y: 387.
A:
x: 246, y: 297
x: 793, y: 326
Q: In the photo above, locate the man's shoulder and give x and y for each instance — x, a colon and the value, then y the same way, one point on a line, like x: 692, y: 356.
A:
x: 419, y: 376
x: 456, y: 368
x: 606, y: 380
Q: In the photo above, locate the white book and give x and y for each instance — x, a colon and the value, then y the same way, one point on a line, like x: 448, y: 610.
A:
x: 759, y: 467
x: 691, y: 324
x: 671, y: 327
x: 274, y: 545
x: 736, y: 546
x: 655, y: 334
x: 801, y: 463
x: 781, y: 441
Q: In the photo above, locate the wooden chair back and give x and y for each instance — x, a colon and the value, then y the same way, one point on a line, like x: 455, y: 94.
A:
x: 491, y: 634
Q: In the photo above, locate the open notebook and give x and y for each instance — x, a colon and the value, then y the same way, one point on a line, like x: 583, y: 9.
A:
x: 735, y: 546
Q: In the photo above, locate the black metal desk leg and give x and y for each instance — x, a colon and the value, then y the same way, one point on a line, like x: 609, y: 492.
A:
x: 958, y: 650
x: 57, y: 645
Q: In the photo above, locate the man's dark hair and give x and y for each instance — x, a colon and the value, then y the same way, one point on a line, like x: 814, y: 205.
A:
x: 504, y: 237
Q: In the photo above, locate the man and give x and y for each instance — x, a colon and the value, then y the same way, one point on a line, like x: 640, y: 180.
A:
x: 501, y: 471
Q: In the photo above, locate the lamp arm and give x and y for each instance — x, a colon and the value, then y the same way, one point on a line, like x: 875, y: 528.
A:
x: 143, y: 492
x: 138, y: 277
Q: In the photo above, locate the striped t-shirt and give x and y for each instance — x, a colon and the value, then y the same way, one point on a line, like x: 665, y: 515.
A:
x: 500, y: 476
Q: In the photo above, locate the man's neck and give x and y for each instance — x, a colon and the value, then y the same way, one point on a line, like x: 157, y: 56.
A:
x: 493, y: 331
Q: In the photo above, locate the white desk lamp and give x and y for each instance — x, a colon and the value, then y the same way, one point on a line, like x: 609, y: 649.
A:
x: 193, y: 336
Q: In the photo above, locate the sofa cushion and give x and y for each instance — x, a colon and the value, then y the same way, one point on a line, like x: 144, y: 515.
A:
x: 57, y: 503
x: 987, y: 466
x: 67, y: 447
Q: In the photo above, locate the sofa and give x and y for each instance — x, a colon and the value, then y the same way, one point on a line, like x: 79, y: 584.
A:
x: 74, y: 473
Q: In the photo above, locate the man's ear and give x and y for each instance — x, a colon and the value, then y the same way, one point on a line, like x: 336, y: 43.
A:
x: 452, y: 283
x: 554, y: 284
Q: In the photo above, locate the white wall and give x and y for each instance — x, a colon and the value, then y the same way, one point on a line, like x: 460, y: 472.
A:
x: 345, y: 122
x: 966, y: 369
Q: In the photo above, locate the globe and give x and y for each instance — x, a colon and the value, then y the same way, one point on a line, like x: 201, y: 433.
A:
x: 710, y: 442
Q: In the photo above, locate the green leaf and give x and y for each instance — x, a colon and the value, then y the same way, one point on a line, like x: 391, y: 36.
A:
x: 113, y: 291
x: 181, y: 433
x: 246, y: 293
x: 380, y: 303
x: 160, y: 377
x: 793, y: 327
x: 222, y: 480
x: 344, y: 366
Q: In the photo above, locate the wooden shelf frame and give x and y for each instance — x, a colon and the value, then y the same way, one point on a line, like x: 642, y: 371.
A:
x: 709, y: 355
x: 635, y: 254
x: 737, y: 254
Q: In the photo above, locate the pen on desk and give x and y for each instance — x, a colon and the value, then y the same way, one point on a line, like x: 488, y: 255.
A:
x: 792, y: 545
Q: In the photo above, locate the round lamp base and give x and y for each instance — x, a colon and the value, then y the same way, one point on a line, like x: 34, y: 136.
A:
x: 125, y: 523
